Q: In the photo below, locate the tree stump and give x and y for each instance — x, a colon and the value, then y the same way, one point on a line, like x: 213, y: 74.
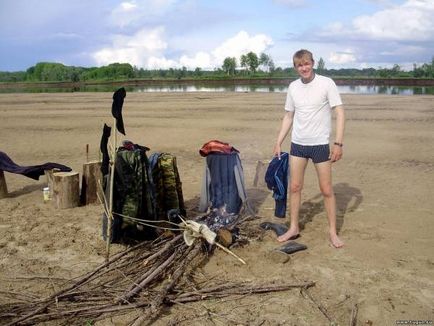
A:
x: 261, y: 169
x: 66, y: 189
x: 3, y: 185
x: 49, y: 175
x: 90, y: 182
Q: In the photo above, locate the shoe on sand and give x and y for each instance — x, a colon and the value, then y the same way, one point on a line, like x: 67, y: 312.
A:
x: 279, y: 229
x: 283, y: 254
x: 291, y: 247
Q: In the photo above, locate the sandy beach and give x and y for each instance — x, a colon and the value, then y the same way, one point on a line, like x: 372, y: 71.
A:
x: 384, y: 187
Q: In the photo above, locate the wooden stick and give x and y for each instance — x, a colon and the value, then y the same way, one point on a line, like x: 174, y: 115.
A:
x: 193, y: 251
x: 229, y: 252
x: 354, y: 311
x: 227, y: 290
x: 167, y: 246
x: 112, y: 178
x: 84, y: 312
x: 152, y: 274
x: 37, y: 309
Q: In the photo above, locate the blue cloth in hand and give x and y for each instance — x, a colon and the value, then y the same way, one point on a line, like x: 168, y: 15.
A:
x: 276, y: 178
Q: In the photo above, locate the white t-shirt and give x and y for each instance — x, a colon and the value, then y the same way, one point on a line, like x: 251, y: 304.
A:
x: 312, y: 103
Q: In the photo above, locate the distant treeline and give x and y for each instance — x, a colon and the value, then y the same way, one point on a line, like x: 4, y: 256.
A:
x: 57, y: 72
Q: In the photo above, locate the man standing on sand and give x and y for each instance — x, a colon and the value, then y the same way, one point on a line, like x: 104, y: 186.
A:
x: 308, y: 107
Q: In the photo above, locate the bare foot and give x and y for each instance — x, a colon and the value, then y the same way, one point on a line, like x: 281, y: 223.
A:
x: 336, y: 242
x: 289, y: 235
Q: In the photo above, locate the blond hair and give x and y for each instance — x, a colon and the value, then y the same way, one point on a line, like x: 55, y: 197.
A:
x: 302, y: 56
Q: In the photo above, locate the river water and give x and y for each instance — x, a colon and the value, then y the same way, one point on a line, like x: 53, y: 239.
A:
x: 344, y: 89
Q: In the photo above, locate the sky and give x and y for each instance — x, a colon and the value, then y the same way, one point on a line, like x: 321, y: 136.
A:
x: 155, y: 34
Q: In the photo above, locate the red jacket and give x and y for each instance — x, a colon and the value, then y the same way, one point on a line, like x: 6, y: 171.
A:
x: 216, y: 146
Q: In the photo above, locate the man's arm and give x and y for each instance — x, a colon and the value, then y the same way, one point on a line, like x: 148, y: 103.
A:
x: 337, y: 152
x: 284, y: 129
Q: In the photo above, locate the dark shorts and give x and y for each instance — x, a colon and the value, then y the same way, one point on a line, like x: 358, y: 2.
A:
x: 317, y: 153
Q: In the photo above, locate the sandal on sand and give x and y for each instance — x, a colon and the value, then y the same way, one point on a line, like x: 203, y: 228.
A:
x: 282, y: 255
x: 279, y: 229
x: 291, y: 247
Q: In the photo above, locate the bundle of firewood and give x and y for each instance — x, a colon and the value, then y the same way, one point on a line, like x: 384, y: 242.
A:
x: 142, y: 277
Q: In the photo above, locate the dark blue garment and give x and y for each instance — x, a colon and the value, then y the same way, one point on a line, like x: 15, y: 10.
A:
x: 33, y: 171
x: 223, y: 187
x: 103, y: 148
x: 317, y: 153
x: 276, y: 177
x: 118, y: 102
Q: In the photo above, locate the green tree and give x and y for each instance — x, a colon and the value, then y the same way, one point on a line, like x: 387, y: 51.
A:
x: 49, y: 71
x: 271, y: 66
x: 198, y: 72
x: 243, y: 62
x: 432, y: 68
x: 264, y: 60
x: 229, y: 65
x: 383, y: 72
x: 395, y: 70
x: 267, y: 62
x: 111, y: 72
x: 321, y: 66
x: 75, y: 76
x: 252, y: 61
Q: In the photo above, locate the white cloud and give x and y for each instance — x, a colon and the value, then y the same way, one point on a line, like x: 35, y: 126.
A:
x: 160, y: 63
x: 411, y: 21
x: 147, y: 48
x: 127, y: 6
x: 124, y: 14
x: 134, y: 49
x: 396, y: 34
x: 291, y: 3
x: 241, y: 43
x: 235, y: 46
x: 342, y: 58
x: 201, y: 59
x: 132, y: 12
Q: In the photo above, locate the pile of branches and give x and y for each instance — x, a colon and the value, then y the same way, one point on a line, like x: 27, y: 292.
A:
x: 142, y: 278
x: 114, y: 287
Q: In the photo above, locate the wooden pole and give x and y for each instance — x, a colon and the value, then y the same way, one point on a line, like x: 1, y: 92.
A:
x: 112, y: 178
x: 3, y: 185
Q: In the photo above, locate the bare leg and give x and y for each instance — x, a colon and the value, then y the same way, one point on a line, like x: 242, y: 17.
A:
x: 324, y: 172
x: 297, y: 169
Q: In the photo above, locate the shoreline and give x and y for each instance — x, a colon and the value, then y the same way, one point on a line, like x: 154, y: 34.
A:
x: 414, y: 82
